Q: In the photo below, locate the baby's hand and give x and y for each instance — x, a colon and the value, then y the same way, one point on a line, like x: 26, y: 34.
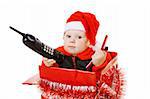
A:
x: 48, y: 62
x: 99, y: 57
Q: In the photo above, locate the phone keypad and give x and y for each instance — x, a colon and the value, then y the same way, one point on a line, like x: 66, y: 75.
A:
x: 48, y: 50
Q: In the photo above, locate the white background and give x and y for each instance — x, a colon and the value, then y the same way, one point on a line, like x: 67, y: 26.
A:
x: 127, y: 23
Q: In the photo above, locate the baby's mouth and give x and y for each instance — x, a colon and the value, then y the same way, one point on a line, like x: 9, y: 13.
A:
x: 71, y: 46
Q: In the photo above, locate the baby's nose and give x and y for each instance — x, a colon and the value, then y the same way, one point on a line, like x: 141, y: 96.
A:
x: 72, y: 40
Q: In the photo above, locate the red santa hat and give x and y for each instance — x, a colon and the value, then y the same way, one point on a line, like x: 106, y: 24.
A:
x: 84, y: 21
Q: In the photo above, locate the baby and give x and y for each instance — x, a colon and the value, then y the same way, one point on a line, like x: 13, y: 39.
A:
x: 79, y: 40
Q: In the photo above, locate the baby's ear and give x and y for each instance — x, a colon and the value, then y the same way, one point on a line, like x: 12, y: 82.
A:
x: 88, y: 43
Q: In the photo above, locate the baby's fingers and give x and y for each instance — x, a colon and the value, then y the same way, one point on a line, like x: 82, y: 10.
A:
x: 48, y: 62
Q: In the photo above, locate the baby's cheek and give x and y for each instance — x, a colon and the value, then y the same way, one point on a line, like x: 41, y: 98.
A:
x: 81, y: 47
x: 80, y: 42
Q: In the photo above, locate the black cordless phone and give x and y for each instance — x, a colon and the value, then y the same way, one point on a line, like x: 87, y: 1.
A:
x: 39, y: 47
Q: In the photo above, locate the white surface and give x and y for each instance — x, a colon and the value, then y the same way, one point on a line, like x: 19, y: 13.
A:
x: 127, y: 23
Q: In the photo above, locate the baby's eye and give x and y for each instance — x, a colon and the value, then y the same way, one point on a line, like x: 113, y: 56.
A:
x: 68, y: 36
x: 79, y: 37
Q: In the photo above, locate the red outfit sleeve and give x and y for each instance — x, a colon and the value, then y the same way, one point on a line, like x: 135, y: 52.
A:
x: 43, y: 65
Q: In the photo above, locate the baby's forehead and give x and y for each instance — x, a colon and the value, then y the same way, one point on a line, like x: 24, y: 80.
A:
x: 75, y: 32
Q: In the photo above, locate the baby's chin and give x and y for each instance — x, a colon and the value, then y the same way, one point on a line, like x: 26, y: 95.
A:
x: 72, y: 51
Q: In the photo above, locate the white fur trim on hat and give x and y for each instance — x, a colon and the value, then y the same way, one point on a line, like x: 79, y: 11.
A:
x: 75, y: 25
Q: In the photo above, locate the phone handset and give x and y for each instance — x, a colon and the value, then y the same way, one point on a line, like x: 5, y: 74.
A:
x: 36, y: 45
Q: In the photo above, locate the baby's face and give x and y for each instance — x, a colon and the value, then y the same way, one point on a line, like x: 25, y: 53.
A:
x: 75, y: 41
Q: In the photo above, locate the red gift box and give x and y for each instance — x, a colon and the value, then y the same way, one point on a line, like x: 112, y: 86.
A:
x: 68, y: 76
